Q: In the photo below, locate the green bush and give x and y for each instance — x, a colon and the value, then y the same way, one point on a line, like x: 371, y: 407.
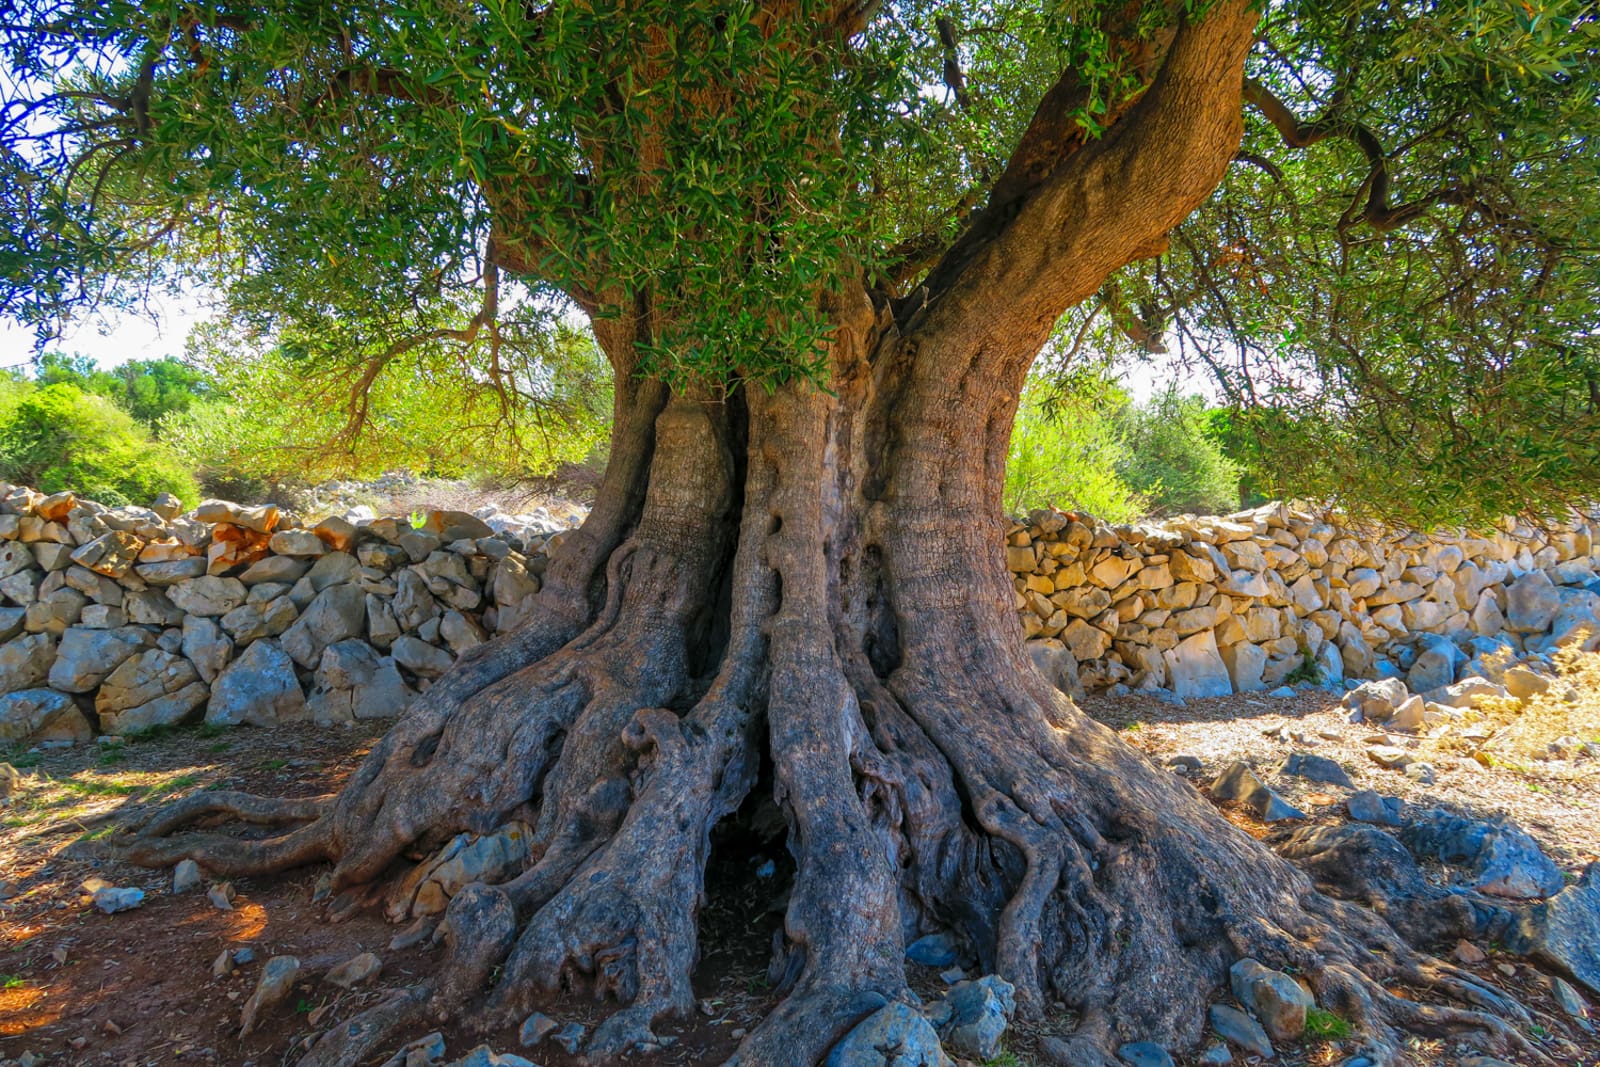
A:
x: 58, y: 437
x: 1066, y: 451
x: 1173, y: 458
x: 147, y: 389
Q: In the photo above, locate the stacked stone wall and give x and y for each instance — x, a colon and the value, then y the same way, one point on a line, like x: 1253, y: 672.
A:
x: 116, y: 621
x: 1201, y: 606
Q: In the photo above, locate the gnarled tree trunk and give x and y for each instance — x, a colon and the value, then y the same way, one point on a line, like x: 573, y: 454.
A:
x: 813, y: 577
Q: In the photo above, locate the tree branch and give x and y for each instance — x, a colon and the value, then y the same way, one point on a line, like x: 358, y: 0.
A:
x: 1071, y: 209
x: 1370, y: 205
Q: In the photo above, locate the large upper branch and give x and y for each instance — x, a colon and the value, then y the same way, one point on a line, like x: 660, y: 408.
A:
x: 1069, y: 210
x: 1371, y: 204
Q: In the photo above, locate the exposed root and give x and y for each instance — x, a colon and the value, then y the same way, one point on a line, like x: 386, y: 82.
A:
x: 231, y: 857
x: 246, y: 807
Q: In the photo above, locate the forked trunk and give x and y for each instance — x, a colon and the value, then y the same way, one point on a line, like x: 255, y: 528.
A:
x: 814, y: 577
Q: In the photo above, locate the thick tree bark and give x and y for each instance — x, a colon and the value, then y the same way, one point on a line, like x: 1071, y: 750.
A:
x: 813, y: 577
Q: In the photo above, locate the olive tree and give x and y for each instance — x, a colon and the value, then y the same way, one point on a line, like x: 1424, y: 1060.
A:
x: 820, y: 243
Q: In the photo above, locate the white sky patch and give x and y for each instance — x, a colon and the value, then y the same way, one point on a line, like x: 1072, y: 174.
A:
x: 115, y: 337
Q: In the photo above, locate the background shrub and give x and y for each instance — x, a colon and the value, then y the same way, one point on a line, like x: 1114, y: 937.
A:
x: 58, y: 437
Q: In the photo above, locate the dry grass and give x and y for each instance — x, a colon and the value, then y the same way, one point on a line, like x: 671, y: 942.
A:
x: 1570, y: 708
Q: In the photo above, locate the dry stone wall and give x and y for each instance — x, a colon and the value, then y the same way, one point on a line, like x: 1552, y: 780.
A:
x: 1205, y: 606
x: 116, y: 621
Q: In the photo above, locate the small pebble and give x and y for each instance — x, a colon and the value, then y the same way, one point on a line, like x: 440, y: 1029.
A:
x: 185, y: 876
x: 221, y: 895
x: 112, y: 900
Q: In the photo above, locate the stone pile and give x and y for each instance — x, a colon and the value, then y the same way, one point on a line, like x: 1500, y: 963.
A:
x: 1196, y: 607
x: 353, y: 501
x: 120, y: 620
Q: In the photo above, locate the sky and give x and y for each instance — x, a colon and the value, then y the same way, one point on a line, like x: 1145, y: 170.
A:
x: 114, y: 339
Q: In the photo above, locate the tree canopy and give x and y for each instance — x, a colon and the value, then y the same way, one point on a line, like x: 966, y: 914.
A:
x: 1396, y: 283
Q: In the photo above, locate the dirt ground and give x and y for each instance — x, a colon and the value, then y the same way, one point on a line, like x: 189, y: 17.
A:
x: 136, y: 988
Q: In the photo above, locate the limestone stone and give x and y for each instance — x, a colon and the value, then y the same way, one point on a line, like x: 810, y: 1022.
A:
x: 1410, y: 716
x: 172, y: 571
x: 1239, y: 782
x: 357, y: 970
x: 25, y: 661
x: 206, y: 646
x: 249, y: 622
x: 972, y: 1017
x: 1245, y: 583
x: 258, y: 688
x: 1375, y: 701
x: 55, y: 611
x: 272, y: 989
x: 51, y: 557
x: 151, y: 607
x: 274, y: 569
x: 1187, y: 567
x: 1236, y: 1027
x: 1277, y: 1001
x: 29, y: 716
x: 379, y: 556
x: 1113, y: 570
x: 354, y: 683
x: 1196, y: 668
x: 1246, y: 663
x: 382, y: 629
x: 1316, y: 768
x: 466, y: 858
x: 421, y: 658
x: 1194, y: 620
x: 1082, y: 602
x: 460, y: 632
x: 85, y: 657
x: 338, y: 613
x: 139, y: 679
x: 262, y: 519
x: 419, y: 545
x: 14, y: 558
x: 448, y: 578
x: 335, y: 568
x: 894, y: 1036
x: 297, y: 543
x: 207, y: 595
x: 1244, y: 555
x: 1085, y: 641
x: 1370, y: 807
x: 166, y: 505
x: 111, y: 554
x: 337, y: 533
x: 1531, y: 603
x: 454, y: 525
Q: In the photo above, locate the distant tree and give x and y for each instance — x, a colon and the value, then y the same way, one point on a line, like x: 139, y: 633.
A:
x: 148, y: 389
x: 57, y: 437
x: 276, y: 415
x: 1068, y: 450
x: 1172, y: 459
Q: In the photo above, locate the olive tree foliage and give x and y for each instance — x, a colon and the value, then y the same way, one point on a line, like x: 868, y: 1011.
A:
x: 1398, y: 275
x: 293, y: 405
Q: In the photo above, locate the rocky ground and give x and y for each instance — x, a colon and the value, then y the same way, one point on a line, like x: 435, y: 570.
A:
x: 166, y: 981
